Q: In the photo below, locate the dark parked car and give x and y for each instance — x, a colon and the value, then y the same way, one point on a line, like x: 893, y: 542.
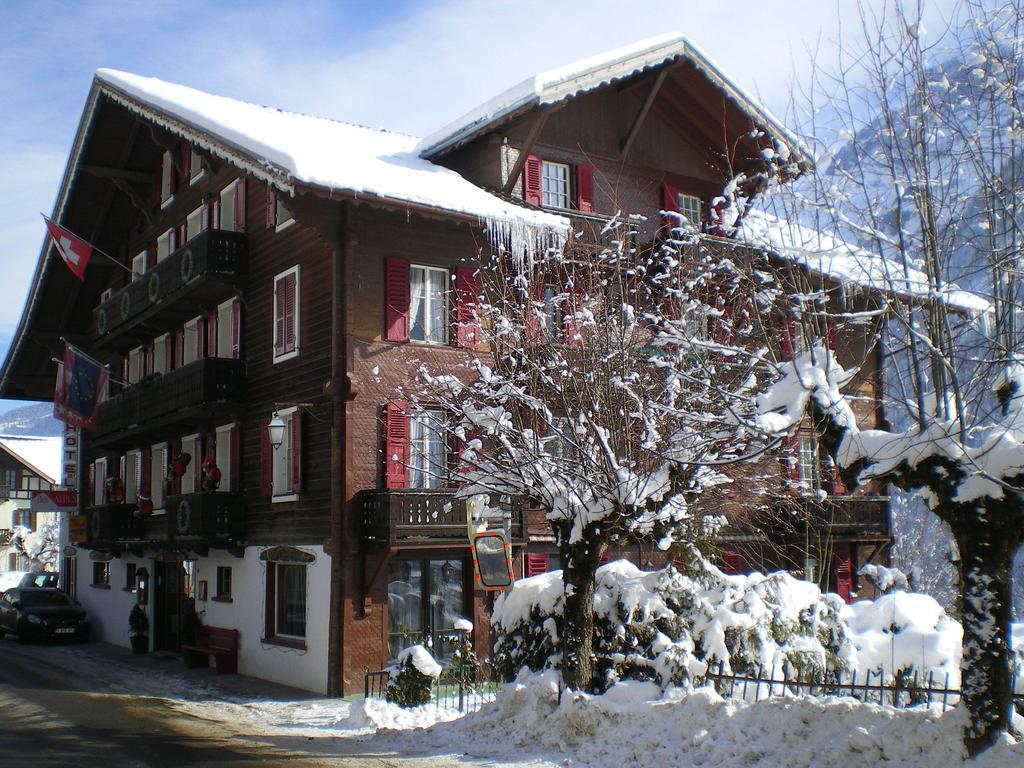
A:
x: 40, y: 579
x: 35, y: 613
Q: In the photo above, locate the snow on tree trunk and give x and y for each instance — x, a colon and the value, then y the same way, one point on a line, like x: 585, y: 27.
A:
x: 582, y: 560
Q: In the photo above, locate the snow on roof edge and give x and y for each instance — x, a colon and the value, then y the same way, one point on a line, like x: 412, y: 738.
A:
x: 46, y: 466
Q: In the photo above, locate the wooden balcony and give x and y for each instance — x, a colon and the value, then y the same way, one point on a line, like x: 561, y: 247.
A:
x: 194, y: 520
x: 410, y: 517
x: 162, y: 403
x: 203, y: 272
x: 849, y: 516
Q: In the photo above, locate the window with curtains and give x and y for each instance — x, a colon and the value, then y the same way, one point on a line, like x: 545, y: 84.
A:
x: 810, y: 472
x: 428, y: 316
x: 191, y: 340
x: 225, y: 454
x: 286, y: 315
x: 690, y: 208
x: 164, y: 245
x: 231, y: 208
x: 195, y: 223
x: 290, y: 600
x: 160, y: 344
x: 283, y: 458
x: 425, y: 600
x: 428, y: 449
x: 229, y: 329
x: 555, y: 184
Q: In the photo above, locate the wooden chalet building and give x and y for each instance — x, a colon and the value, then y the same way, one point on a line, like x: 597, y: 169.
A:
x: 27, y: 464
x: 276, y: 266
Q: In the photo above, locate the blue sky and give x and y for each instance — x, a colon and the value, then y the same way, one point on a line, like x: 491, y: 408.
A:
x: 397, y: 64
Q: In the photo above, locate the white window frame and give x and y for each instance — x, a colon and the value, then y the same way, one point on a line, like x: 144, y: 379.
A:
x: 163, y: 245
x: 139, y: 265
x: 195, y: 161
x: 429, y: 300
x: 279, y: 206
x: 190, y: 349
x: 225, y: 331
x: 690, y: 208
x: 105, y: 296
x: 810, y: 462
x: 222, y: 453
x: 99, y: 485
x: 281, y: 461
x: 231, y: 190
x: 157, y: 474
x: 298, y: 315
x: 553, y: 172
x: 166, y: 173
x: 160, y: 353
x: 132, y: 475
x: 136, y: 363
x: 426, y: 430
x: 194, y: 223
x: 190, y: 443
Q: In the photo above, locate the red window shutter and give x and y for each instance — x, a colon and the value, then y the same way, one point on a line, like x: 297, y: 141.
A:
x: 536, y: 564
x: 533, y: 312
x: 291, y: 317
x: 843, y: 567
x: 396, y: 299
x: 236, y: 458
x: 266, y: 462
x: 572, y: 326
x: 467, y: 331
x: 532, y: 181
x: 280, y: 306
x: 236, y: 329
x: 669, y: 197
x: 151, y: 256
x: 271, y: 207
x: 791, y: 458
x: 396, y: 445
x: 585, y: 188
x: 296, y: 451
x: 211, y: 333
x: 789, y: 338
x: 732, y: 562
x: 240, y: 205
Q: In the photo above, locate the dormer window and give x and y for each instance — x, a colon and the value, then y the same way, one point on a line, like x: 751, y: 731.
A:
x: 555, y: 181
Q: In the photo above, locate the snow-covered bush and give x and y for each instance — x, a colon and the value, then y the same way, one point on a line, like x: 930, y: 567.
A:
x: 412, y: 676
x: 673, y: 628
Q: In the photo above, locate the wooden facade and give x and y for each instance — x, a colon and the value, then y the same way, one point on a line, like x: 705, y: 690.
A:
x: 625, y: 145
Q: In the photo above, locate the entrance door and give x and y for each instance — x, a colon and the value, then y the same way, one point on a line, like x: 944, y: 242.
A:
x: 425, y: 600
x: 167, y: 598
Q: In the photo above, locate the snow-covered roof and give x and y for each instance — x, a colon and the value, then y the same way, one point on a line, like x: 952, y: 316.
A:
x: 339, y: 157
x: 40, y: 454
x: 846, y: 263
x: 575, y: 79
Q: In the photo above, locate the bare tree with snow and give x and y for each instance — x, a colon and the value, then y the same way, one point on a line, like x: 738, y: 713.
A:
x: 927, y: 176
x: 610, y: 397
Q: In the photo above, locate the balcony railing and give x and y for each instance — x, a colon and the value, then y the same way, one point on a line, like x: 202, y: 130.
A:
x: 189, y: 395
x: 410, y: 516
x: 173, y: 291
x: 195, y: 519
x: 850, y: 514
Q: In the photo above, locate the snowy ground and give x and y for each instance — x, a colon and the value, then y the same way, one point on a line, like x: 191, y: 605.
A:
x: 633, y: 725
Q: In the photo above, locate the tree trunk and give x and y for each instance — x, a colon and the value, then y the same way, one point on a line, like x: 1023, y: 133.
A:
x: 581, y: 560
x: 986, y: 559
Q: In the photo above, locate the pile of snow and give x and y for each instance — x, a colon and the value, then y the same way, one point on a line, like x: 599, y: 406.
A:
x: 673, y: 629
x: 637, y: 724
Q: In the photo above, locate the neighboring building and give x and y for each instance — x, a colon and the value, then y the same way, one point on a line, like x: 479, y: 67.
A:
x: 26, y: 464
x: 284, y: 269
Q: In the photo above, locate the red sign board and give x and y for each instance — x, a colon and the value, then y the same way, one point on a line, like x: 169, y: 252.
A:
x: 54, y: 501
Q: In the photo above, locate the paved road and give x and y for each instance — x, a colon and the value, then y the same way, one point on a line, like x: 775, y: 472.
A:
x: 50, y: 718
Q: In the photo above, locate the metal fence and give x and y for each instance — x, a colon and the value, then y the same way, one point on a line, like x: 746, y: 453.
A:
x: 903, y: 690
x: 463, y: 688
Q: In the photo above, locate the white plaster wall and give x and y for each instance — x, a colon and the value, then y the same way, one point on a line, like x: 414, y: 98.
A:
x: 109, y: 608
x: 246, y: 612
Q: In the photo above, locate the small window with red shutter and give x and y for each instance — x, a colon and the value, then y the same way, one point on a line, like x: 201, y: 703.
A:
x: 286, y: 315
x: 535, y: 564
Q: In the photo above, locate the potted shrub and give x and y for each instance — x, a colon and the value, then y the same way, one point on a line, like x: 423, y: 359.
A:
x: 138, y: 624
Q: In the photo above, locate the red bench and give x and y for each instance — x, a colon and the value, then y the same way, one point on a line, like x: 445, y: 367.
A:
x: 221, y: 644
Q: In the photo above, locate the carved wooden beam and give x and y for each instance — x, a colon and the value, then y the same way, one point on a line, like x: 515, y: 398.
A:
x: 123, y: 174
x: 524, y: 151
x: 638, y: 121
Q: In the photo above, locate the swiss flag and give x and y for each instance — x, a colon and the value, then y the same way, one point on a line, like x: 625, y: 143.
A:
x: 73, y: 249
